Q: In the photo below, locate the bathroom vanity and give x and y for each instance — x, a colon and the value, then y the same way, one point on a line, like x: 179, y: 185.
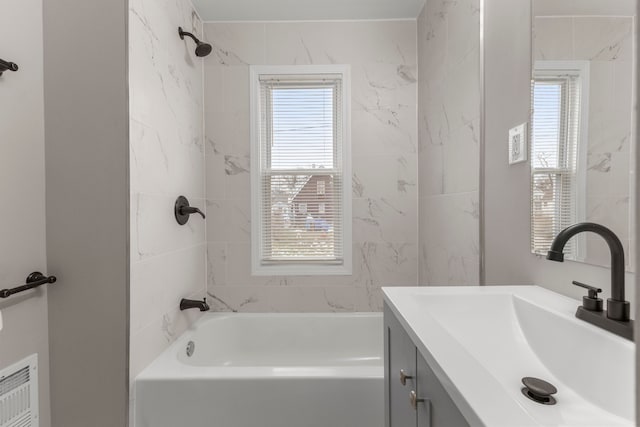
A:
x: 456, y: 356
x: 413, y: 392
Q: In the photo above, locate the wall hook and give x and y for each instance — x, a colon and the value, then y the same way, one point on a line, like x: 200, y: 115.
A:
x: 182, y: 210
x: 7, y: 66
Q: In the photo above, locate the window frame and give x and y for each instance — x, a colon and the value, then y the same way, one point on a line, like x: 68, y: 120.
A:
x: 297, y: 268
x: 555, y: 69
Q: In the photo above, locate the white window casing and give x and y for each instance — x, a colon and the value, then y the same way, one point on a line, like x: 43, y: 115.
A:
x: 300, y: 170
x: 559, y: 93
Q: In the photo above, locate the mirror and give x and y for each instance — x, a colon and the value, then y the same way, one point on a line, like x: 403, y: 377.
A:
x: 581, y: 132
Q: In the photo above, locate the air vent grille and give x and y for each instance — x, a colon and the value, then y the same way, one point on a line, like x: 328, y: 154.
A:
x: 18, y: 394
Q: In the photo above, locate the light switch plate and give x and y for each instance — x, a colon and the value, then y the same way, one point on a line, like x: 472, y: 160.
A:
x: 518, y: 144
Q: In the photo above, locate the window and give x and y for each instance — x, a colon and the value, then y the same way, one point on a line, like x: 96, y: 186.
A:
x: 300, y: 167
x: 320, y: 188
x: 558, y: 145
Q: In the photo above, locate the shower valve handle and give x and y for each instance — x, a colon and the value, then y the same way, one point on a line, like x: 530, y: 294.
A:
x: 182, y: 210
x: 188, y: 210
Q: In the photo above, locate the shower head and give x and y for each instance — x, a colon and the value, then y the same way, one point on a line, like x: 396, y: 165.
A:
x: 202, y: 49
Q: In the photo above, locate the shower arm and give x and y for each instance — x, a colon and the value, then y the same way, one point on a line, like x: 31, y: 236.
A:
x: 186, y: 33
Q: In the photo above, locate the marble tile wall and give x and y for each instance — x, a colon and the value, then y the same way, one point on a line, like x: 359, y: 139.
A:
x: 168, y: 261
x: 448, y: 147
x: 607, y: 43
x: 382, y: 55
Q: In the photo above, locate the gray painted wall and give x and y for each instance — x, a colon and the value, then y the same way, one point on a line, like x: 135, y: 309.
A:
x: 637, y: 218
x: 507, y: 102
x: 86, y: 128
x: 506, y: 91
x: 22, y: 184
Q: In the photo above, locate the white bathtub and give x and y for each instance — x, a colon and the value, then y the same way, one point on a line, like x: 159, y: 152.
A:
x: 268, y: 370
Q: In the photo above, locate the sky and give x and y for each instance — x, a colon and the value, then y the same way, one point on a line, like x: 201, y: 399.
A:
x: 302, y: 128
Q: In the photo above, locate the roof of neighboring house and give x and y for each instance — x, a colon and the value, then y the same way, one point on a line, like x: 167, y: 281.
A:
x: 299, y: 188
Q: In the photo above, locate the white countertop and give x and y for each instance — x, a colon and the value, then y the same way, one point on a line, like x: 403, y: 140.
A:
x: 480, y: 342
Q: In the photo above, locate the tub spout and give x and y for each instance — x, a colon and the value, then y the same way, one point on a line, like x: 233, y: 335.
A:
x: 186, y: 304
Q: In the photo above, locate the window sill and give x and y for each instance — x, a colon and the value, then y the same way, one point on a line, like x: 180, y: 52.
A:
x: 302, y: 270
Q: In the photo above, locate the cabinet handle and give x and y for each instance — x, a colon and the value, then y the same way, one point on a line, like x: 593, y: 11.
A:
x: 413, y: 398
x: 404, y: 377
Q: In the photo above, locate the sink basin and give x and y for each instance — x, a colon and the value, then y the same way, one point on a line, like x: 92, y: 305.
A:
x: 481, y: 341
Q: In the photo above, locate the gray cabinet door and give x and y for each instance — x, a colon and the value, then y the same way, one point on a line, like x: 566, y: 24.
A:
x: 437, y: 410
x: 400, y: 354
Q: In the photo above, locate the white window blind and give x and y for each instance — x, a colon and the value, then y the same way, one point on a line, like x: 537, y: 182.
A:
x: 300, y: 182
x: 555, y: 136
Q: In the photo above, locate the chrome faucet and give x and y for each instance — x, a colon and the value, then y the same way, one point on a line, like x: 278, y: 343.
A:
x: 616, y: 318
x: 186, y: 304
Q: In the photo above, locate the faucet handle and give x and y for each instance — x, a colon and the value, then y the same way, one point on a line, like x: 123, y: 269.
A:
x: 590, y: 302
x: 593, y: 291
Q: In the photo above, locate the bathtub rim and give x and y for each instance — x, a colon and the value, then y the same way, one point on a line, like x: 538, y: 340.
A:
x: 168, y: 366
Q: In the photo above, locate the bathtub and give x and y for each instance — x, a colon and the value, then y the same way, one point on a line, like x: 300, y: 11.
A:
x: 268, y: 370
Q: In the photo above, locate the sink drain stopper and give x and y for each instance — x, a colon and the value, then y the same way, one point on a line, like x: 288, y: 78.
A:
x: 539, y: 390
